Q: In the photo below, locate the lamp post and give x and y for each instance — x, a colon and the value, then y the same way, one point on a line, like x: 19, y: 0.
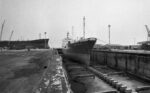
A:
x: 109, y: 32
x: 45, y: 39
x: 39, y: 35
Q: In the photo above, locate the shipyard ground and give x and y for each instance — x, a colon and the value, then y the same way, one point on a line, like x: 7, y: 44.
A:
x: 30, y: 72
x: 45, y: 71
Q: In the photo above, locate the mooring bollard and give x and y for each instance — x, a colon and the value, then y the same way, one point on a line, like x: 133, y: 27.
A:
x: 128, y: 90
x: 118, y: 85
x: 107, y: 79
x: 99, y: 75
x: 123, y: 88
x: 104, y: 77
x: 110, y: 81
x: 114, y: 83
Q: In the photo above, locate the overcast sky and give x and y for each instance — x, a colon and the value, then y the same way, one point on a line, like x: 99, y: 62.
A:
x: 28, y: 18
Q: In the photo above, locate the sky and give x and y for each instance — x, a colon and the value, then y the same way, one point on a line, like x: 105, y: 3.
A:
x: 28, y: 18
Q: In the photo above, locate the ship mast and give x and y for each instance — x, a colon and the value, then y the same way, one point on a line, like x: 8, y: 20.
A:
x: 84, y: 27
x: 72, y: 32
x: 67, y: 34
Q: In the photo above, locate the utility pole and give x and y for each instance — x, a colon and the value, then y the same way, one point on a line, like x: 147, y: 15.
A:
x: 45, y: 39
x: 84, y: 27
x: 39, y: 35
x: 134, y: 40
x: 109, y: 32
x: 10, y: 37
x: 45, y: 34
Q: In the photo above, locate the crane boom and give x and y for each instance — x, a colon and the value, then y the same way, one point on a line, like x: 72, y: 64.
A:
x: 10, y: 37
x: 2, y: 30
x: 147, y: 28
x: 148, y: 32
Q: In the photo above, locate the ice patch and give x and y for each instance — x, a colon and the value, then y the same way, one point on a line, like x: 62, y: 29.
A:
x: 44, y: 78
x: 59, y: 67
x: 58, y: 59
x: 56, y: 82
x: 67, y: 83
x: 37, y: 91
x: 47, y: 83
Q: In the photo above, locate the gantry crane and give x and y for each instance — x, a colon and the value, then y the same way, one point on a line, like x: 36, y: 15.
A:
x: 2, y: 30
x: 148, y: 33
x: 10, y: 37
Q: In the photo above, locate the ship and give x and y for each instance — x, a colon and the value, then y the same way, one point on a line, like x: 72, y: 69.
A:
x: 22, y: 44
x: 78, y: 50
x: 37, y: 43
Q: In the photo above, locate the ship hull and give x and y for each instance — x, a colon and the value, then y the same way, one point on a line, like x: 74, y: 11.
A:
x: 77, y: 57
x: 80, y: 51
x: 38, y: 43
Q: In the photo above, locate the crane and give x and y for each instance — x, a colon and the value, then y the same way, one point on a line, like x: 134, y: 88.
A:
x: 2, y: 30
x: 10, y: 37
x: 148, y: 33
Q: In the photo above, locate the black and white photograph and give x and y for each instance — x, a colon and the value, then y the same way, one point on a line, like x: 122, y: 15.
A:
x: 74, y: 46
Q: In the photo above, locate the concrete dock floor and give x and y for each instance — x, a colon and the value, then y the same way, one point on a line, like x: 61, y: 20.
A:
x: 30, y: 72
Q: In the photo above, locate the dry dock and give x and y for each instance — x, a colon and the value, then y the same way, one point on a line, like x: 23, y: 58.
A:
x: 83, y: 80
x: 110, y: 72
x: 45, y: 71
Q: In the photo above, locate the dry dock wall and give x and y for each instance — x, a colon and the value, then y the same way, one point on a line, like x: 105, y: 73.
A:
x: 137, y: 63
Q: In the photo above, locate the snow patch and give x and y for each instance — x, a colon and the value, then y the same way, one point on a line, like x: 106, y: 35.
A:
x: 56, y: 82
x: 58, y: 59
x: 47, y: 83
